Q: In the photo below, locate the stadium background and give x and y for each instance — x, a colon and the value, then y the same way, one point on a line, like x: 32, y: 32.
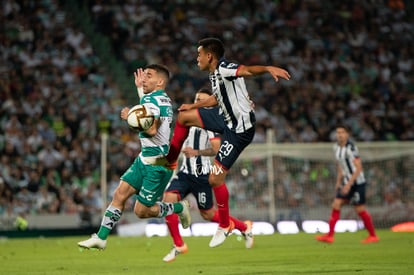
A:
x: 66, y: 70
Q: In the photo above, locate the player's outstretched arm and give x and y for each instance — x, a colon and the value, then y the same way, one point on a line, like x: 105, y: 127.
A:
x: 210, y: 101
x: 276, y: 72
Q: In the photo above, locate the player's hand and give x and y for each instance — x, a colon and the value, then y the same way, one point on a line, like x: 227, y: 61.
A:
x: 277, y: 72
x: 124, y: 113
x: 185, y: 107
x: 345, y: 189
x: 189, y: 152
x: 139, y: 77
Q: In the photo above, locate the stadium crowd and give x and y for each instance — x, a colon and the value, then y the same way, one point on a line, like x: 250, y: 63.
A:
x: 349, y: 60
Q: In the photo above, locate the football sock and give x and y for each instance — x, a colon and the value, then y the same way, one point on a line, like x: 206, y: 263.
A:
x: 178, y: 207
x: 166, y: 208
x: 215, y: 218
x: 222, y: 198
x: 172, y: 224
x: 238, y: 224
x: 366, y: 218
x: 109, y: 220
x: 332, y: 221
x: 180, y: 134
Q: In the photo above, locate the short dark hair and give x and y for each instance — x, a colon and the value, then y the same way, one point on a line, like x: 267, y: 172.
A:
x: 343, y: 126
x: 204, y: 91
x: 212, y: 45
x: 160, y: 69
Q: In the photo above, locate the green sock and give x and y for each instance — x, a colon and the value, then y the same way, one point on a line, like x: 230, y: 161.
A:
x: 178, y: 207
x: 103, y: 232
x: 109, y: 220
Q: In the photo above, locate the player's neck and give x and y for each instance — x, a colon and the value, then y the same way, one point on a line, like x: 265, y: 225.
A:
x: 342, y: 143
x: 213, y: 66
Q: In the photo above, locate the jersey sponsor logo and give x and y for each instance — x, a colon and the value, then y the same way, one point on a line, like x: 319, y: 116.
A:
x: 149, y: 194
x: 200, y: 170
x: 163, y: 101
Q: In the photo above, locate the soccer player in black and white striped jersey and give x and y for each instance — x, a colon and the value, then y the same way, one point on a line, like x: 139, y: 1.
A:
x: 235, y: 120
x: 350, y: 186
x: 198, y: 148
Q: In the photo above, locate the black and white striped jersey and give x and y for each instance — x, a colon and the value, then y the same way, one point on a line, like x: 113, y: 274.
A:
x: 198, y: 139
x: 232, y: 96
x: 345, y: 156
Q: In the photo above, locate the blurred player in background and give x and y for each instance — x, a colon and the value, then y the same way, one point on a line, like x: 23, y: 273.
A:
x: 145, y: 180
x: 350, y: 186
x: 199, y: 146
x: 235, y: 121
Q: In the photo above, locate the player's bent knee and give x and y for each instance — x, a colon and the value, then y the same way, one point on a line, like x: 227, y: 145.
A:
x: 189, y: 118
x: 337, y: 204
x: 206, y: 215
x: 142, y: 211
x: 216, y: 180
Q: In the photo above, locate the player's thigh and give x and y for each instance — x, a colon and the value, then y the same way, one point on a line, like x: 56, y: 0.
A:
x: 134, y: 174
x: 217, y: 175
x: 358, y: 194
x: 122, y: 193
x: 170, y: 197
x: 155, y: 180
x: 232, y: 145
x: 179, y: 186
x: 189, y: 118
x: 211, y: 120
x: 201, y: 189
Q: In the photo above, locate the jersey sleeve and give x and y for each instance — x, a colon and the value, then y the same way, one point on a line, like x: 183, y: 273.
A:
x: 355, y: 151
x: 229, y: 69
x: 352, y: 151
x: 212, y: 135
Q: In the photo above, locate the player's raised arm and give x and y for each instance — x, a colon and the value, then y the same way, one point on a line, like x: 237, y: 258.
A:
x: 139, y: 77
x: 276, y: 72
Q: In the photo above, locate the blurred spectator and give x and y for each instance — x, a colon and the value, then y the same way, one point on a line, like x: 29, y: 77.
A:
x: 348, y: 60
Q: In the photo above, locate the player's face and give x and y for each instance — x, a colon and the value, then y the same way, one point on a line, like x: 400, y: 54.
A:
x: 341, y: 136
x: 151, y: 81
x: 203, y: 59
x: 200, y: 97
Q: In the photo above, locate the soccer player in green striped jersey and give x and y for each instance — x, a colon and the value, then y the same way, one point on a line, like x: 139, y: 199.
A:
x: 144, y: 179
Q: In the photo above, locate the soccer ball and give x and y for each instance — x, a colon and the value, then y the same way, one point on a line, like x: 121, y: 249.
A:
x: 140, y: 118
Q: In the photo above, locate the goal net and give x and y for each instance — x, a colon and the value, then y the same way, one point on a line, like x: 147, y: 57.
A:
x: 296, y: 182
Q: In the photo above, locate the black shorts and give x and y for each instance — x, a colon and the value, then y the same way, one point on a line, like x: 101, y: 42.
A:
x: 232, y: 143
x: 356, y: 194
x: 184, y: 184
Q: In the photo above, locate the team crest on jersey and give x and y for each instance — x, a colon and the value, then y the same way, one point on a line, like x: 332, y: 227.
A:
x: 232, y: 65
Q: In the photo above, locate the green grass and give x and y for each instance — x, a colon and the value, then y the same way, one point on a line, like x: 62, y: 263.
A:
x: 276, y: 254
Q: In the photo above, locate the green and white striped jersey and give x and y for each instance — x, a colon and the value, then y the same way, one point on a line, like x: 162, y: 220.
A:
x: 160, y: 105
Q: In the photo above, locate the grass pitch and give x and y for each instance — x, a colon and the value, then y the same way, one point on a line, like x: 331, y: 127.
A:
x: 275, y: 254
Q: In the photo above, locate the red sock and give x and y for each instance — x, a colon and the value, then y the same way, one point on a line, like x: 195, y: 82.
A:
x: 238, y: 224
x: 332, y: 221
x: 222, y: 198
x: 180, y: 134
x: 172, y: 223
x: 366, y: 218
